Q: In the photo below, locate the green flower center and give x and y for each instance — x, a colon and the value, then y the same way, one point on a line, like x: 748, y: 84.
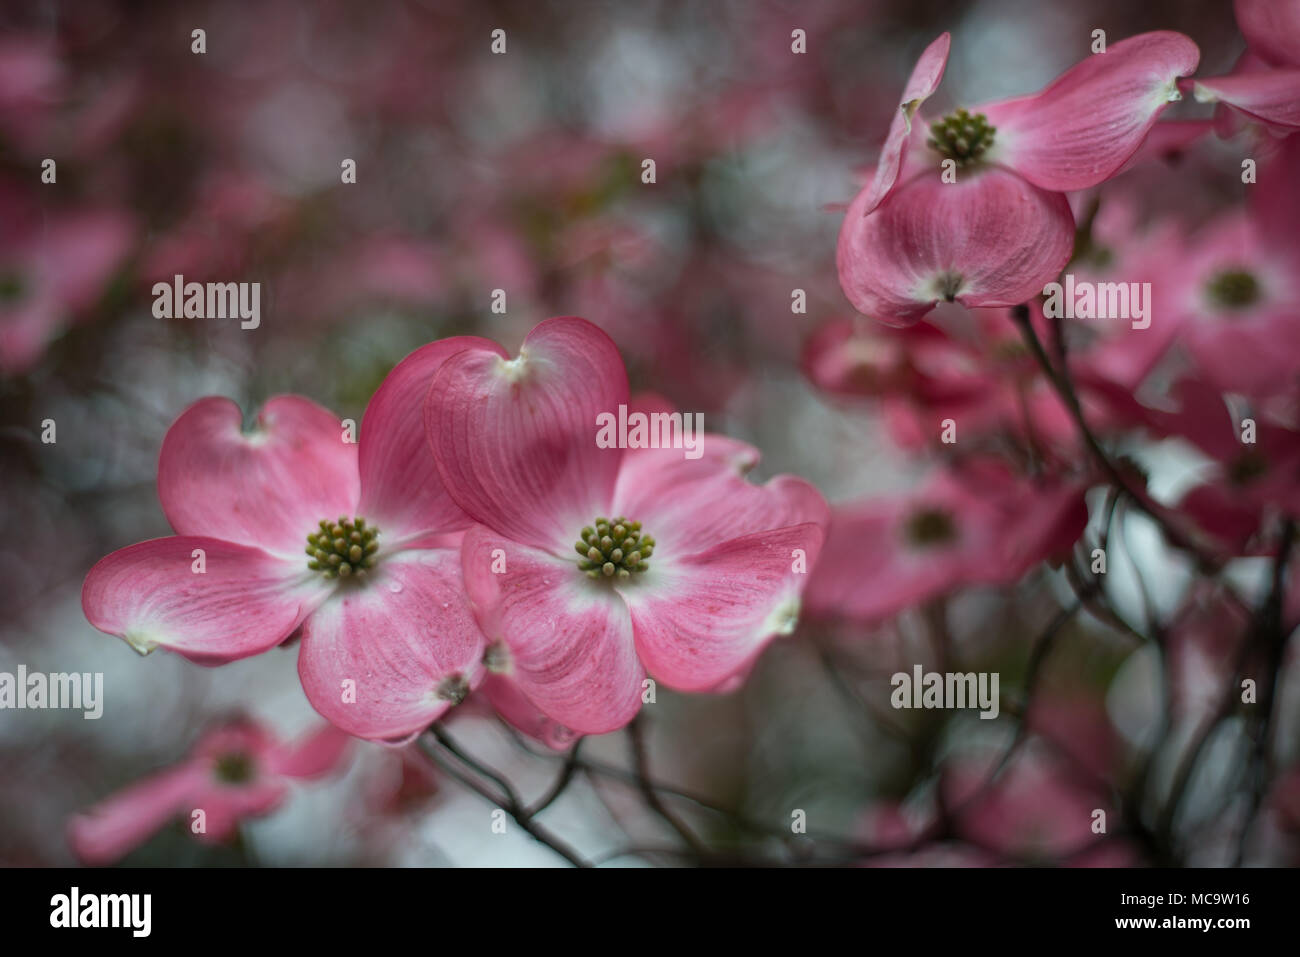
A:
x: 962, y: 137
x: 343, y: 549
x: 1247, y: 467
x: 930, y: 526
x: 234, y: 768
x: 1233, y: 289
x: 614, y: 548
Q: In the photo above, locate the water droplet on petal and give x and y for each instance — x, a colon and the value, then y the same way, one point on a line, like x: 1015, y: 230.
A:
x: 395, y: 587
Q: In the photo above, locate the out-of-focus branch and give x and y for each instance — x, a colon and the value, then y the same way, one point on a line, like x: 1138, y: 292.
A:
x: 562, y: 781
x: 1060, y: 380
x: 437, y: 737
x: 1266, y: 634
x: 1272, y: 635
x: 641, y: 765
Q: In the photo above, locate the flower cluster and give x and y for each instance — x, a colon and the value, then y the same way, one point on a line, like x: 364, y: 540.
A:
x: 452, y: 556
x: 1077, y: 340
x: 1087, y: 355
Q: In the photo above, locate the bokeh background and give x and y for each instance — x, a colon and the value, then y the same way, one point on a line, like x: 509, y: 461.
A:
x: 518, y: 172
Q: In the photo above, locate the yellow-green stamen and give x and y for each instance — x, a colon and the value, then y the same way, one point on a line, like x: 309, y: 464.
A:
x: 343, y: 549
x: 961, y: 136
x: 614, y: 548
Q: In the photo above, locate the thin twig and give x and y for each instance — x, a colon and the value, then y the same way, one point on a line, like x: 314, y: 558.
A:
x: 1065, y: 389
x: 571, y: 765
x: 641, y: 764
x: 505, y: 801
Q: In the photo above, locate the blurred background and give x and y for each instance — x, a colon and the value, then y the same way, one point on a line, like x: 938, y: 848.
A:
x: 518, y: 172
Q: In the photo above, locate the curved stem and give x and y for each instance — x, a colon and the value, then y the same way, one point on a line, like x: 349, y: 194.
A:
x: 641, y: 764
x: 1065, y: 389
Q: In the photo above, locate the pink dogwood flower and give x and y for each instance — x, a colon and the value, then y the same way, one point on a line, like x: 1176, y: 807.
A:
x: 983, y: 526
x: 1247, y: 482
x: 236, y: 771
x: 1003, y: 228
x: 1235, y: 293
x: 592, y: 565
x: 290, y: 528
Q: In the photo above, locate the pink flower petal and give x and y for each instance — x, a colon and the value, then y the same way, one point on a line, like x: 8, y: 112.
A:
x: 386, y: 659
x: 317, y: 754
x: 268, y: 488
x: 1272, y: 29
x: 511, y: 706
x: 990, y: 239
x: 569, y: 639
x: 1039, y: 808
x: 1082, y: 128
x: 689, y: 505
x: 1272, y: 97
x: 1275, y: 201
x: 515, y: 439
x: 1167, y: 141
x: 401, y: 493
x: 925, y: 79
x: 878, y: 582
x: 702, y: 619
x: 244, y: 602
x: 225, y: 805
x: 1255, y: 356
x: 115, y: 827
